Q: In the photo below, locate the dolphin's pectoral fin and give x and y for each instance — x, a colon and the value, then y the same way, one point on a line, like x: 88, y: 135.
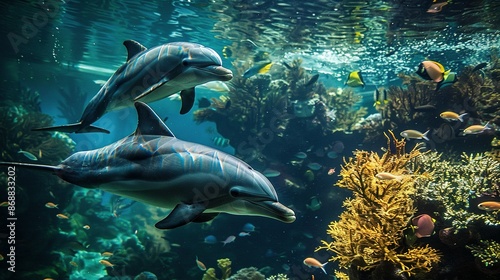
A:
x: 74, y: 127
x: 133, y: 48
x: 181, y: 215
x: 187, y: 97
x: 205, y: 217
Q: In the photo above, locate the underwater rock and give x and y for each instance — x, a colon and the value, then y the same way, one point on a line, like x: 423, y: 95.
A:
x: 248, y: 273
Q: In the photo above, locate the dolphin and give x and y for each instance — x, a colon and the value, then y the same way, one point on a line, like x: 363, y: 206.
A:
x: 151, y: 75
x: 154, y: 167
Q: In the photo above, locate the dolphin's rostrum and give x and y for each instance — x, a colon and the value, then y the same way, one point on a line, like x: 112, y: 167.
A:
x: 154, y: 167
x: 151, y: 75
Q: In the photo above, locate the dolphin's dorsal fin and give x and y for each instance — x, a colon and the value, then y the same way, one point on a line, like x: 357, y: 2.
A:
x: 133, y: 48
x: 149, y: 123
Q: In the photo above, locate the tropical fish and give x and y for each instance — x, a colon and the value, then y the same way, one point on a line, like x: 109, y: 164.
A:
x: 489, y: 205
x: 227, y: 52
x: 314, y: 204
x: 151, y: 75
x: 331, y: 171
x: 312, y: 262
x: 106, y: 263
x: 50, y: 205
x: 200, y: 265
x: 106, y: 254
x: 204, y: 103
x: 414, y: 134
x: 355, y: 79
x: 436, y: 8
x: 452, y: 116
x: 62, y: 216
x: 314, y: 166
x: 431, y: 70
x: 271, y: 173
x: 380, y: 99
x: 248, y: 227
x: 217, y: 86
x: 425, y: 108
x: 86, y: 227
x: 210, y: 239
x: 220, y: 141
x: 388, y: 176
x: 73, y: 263
x: 479, y: 66
x: 445, y: 132
x: 311, y: 81
x: 154, y: 167
x: 448, y: 79
x: 229, y: 239
x: 423, y: 225
x: 28, y: 155
x: 261, y: 67
x: 301, y: 155
x: 243, y: 234
x: 476, y: 129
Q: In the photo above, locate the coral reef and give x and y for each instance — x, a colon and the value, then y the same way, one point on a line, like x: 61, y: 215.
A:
x: 278, y: 276
x: 247, y: 273
x: 225, y: 268
x: 458, y: 187
x: 488, y: 252
x: 370, y: 229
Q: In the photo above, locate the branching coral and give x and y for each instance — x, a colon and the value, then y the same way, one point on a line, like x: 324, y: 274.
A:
x: 457, y: 184
x: 225, y: 267
x: 488, y: 252
x: 370, y: 229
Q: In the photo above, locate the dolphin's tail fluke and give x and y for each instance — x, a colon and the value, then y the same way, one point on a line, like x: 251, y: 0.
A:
x: 39, y: 167
x: 74, y: 127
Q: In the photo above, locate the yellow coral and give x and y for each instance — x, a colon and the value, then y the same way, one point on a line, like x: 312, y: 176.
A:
x: 370, y: 229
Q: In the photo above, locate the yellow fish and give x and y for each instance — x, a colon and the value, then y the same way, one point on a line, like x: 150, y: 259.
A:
x: 50, y: 205
x: 200, y: 265
x: 62, y: 216
x: 106, y: 263
x: 388, y: 176
x: 106, y: 254
x: 452, y: 116
x: 476, y: 129
x: 489, y: 205
x: 354, y: 79
x: 259, y: 68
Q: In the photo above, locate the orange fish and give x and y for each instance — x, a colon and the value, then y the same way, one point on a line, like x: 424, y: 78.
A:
x: 50, y: 205
x: 436, y: 8
x: 312, y: 262
x: 200, y: 265
x: 489, y: 205
x: 331, y: 171
x: 388, y: 176
x: 106, y: 254
x: 106, y: 263
x: 431, y: 70
x: 62, y: 216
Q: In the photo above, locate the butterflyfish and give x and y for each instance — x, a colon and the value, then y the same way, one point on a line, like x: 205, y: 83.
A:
x: 355, y: 79
x: 432, y: 71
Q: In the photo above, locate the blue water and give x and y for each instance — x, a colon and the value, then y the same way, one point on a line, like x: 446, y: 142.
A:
x: 54, y: 46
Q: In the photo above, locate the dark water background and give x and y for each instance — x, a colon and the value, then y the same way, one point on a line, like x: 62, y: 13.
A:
x: 49, y: 45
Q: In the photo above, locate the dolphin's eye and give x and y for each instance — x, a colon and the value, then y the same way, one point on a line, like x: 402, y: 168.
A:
x: 234, y: 192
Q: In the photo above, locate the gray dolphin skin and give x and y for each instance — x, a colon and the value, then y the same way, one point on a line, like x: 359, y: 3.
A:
x: 151, y: 75
x: 154, y: 167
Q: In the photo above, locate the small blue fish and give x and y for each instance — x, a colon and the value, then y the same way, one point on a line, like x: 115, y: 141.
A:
x: 243, y: 234
x: 28, y: 155
x: 248, y: 227
x: 220, y: 141
x: 314, y: 166
x: 210, y: 239
x: 301, y: 155
x: 271, y: 173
